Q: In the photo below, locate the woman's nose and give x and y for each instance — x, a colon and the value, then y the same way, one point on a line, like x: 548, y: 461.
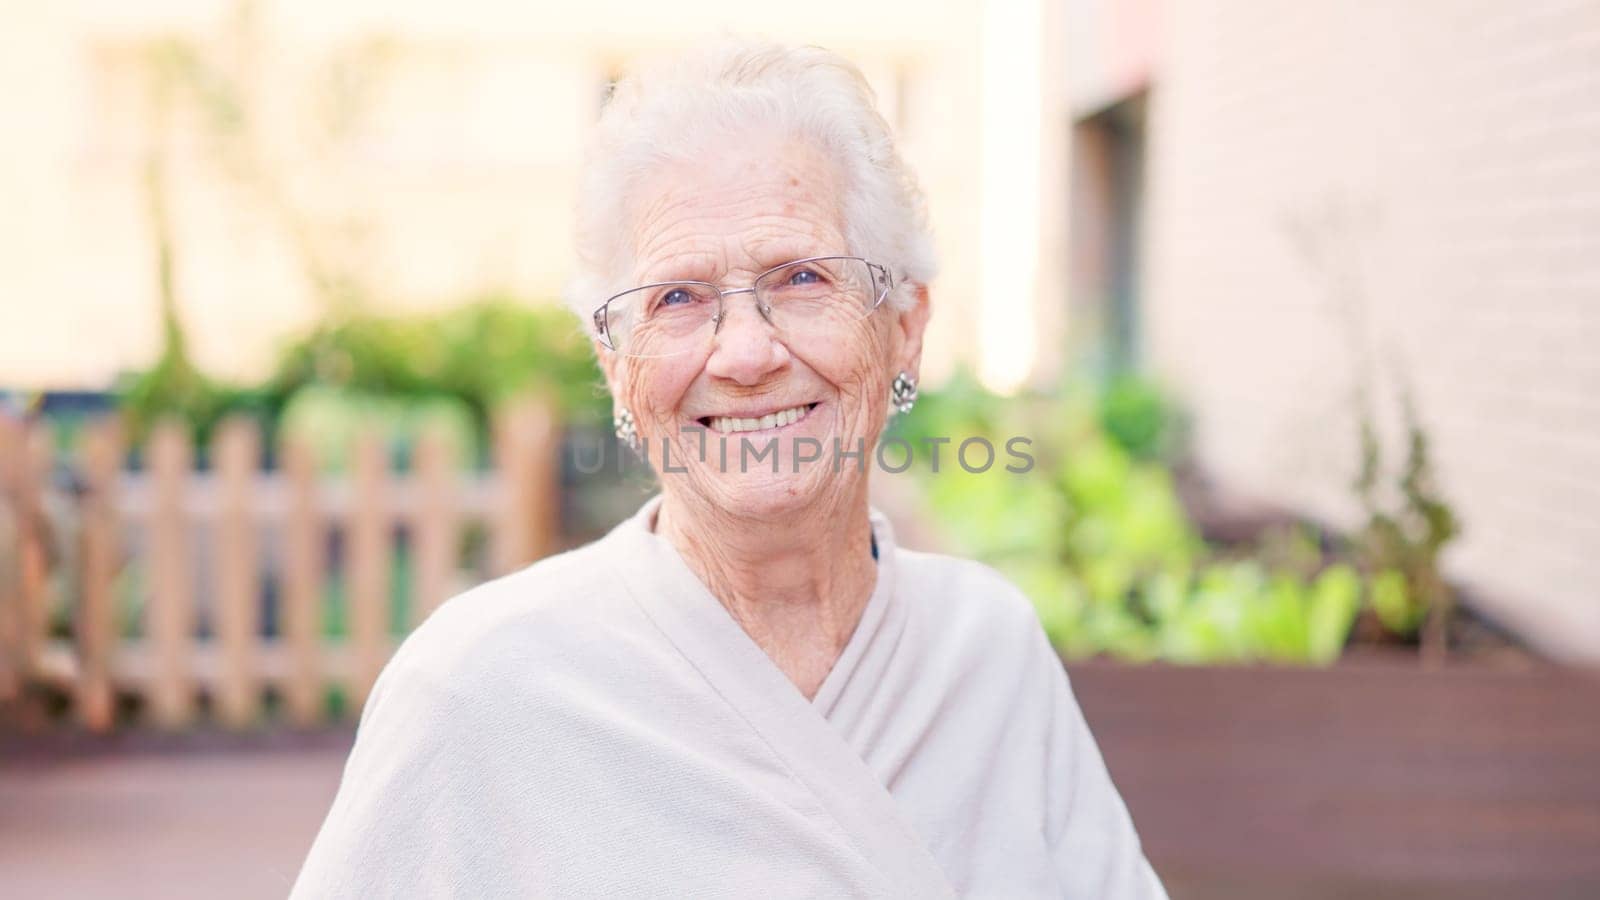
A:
x: 746, y: 348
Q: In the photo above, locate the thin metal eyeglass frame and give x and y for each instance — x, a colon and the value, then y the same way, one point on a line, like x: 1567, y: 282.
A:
x: 599, y: 316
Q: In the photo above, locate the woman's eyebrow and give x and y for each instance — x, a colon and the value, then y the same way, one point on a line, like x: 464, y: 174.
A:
x: 775, y: 253
x: 682, y: 267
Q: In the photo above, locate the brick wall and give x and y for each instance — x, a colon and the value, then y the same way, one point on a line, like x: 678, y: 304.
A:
x: 1373, y: 191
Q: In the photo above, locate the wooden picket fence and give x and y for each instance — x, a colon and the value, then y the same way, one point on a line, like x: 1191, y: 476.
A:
x: 204, y: 541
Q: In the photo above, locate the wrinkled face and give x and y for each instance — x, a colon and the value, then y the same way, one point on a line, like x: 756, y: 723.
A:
x: 726, y: 217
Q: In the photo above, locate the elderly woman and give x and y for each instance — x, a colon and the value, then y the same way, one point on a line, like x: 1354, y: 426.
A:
x: 747, y: 688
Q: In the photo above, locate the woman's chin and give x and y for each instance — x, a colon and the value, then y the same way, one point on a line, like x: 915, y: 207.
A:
x: 764, y: 493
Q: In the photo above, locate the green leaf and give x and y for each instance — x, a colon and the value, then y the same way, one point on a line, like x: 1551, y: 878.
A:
x: 1335, y: 600
x: 1391, y: 600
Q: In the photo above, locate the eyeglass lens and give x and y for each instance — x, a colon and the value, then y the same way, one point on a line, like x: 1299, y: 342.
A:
x: 803, y: 300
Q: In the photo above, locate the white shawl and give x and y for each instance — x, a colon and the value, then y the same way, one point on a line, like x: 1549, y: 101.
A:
x: 598, y: 725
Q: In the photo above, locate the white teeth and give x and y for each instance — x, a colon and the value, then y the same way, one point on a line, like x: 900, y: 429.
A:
x: 730, y: 425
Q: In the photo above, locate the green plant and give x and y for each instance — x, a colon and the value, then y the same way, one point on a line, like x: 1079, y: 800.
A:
x: 203, y: 81
x: 481, y: 353
x: 1393, y: 604
x: 478, y: 354
x: 390, y: 372
x: 1098, y: 538
x: 1139, y: 417
x: 331, y: 420
x: 174, y: 387
x: 1403, y: 537
x: 1402, y: 541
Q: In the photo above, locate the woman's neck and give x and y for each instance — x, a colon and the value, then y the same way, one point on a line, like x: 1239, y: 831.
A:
x: 797, y: 585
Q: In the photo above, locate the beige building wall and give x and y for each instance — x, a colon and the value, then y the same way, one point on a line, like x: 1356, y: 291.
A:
x: 1344, y: 190
x: 426, y: 150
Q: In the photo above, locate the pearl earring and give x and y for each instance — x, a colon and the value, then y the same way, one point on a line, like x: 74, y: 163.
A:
x: 627, y: 430
x: 903, y: 393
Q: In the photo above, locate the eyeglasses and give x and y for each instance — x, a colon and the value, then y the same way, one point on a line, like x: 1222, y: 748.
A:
x: 807, y: 298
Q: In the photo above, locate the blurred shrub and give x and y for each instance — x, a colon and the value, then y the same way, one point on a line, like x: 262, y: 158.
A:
x: 1139, y: 418
x: 1394, y: 605
x: 480, y: 353
x: 175, y: 388
x: 329, y: 420
x: 395, y: 373
x: 1406, y: 531
x: 1098, y: 538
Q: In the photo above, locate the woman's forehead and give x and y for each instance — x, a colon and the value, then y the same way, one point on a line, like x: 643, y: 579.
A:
x: 730, y: 211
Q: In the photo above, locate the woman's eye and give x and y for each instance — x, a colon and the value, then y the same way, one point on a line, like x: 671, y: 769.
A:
x: 805, y: 276
x: 676, y: 297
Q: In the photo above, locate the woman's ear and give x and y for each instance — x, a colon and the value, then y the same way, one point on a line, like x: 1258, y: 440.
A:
x: 612, y: 367
x: 608, y: 361
x: 911, y: 324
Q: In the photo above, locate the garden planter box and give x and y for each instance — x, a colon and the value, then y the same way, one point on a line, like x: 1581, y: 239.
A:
x: 1371, y: 778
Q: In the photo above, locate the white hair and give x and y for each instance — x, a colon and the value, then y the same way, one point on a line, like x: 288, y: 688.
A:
x: 668, y: 112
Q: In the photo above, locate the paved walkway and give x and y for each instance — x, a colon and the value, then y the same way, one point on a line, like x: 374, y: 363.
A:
x: 225, y: 820
x: 1358, y: 782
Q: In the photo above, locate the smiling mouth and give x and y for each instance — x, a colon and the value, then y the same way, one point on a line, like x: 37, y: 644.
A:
x: 736, y: 425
